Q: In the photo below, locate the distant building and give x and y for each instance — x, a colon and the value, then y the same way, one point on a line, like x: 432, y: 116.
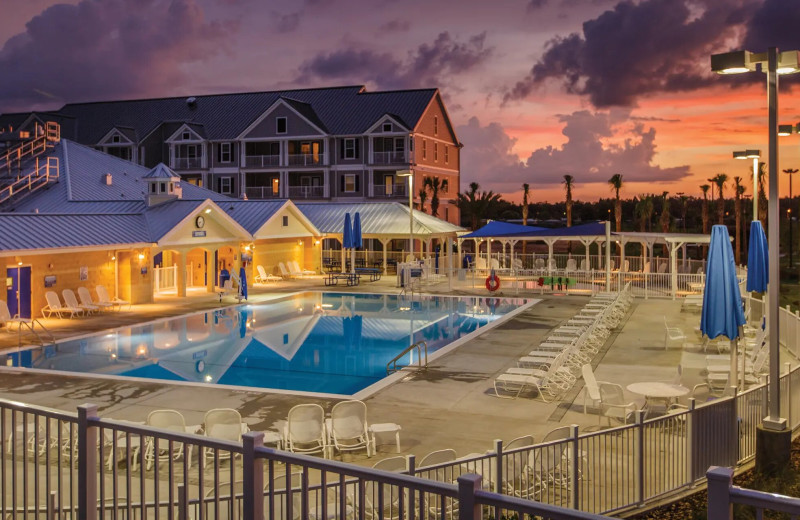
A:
x: 340, y: 144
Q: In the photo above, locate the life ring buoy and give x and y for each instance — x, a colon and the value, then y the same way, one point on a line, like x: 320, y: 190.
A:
x: 492, y: 283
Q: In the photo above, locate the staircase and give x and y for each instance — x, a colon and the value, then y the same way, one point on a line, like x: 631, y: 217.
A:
x: 23, y: 170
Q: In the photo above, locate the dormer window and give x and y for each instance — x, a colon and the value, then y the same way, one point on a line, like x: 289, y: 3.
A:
x: 280, y: 125
x: 115, y: 138
x: 153, y: 187
x: 387, y: 127
x: 186, y: 136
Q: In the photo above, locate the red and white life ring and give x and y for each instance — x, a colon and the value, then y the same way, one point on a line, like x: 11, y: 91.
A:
x: 492, y: 282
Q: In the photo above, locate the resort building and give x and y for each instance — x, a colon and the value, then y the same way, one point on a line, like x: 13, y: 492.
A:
x: 77, y: 217
x: 341, y: 144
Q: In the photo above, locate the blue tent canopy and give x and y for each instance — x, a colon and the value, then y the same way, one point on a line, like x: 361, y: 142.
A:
x: 495, y: 228
x: 504, y: 229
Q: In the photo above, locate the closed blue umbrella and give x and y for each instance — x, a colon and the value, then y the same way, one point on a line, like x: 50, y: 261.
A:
x: 722, y: 303
x: 243, y: 282
x: 757, y: 259
x: 357, y: 240
x: 347, y: 233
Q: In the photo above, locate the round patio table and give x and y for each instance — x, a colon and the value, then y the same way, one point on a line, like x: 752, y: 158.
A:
x: 658, y: 391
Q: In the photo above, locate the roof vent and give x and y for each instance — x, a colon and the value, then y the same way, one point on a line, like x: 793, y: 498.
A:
x: 36, y: 210
x: 108, y: 179
x: 191, y: 102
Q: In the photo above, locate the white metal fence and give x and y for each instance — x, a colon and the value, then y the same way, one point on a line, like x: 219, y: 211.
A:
x: 166, y: 278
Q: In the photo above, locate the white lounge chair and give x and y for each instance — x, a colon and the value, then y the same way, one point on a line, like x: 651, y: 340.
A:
x: 294, y: 269
x: 166, y: 420
x: 6, y: 319
x: 305, y: 430
x: 264, y: 277
x: 54, y: 306
x: 591, y: 389
x: 225, y: 424
x: 285, y: 274
x: 102, y: 297
x: 86, y: 300
x: 348, y: 427
x: 71, y: 301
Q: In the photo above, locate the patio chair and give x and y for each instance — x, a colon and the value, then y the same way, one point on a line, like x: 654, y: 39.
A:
x: 613, y: 405
x: 225, y: 424
x: 519, y: 442
x: 584, y: 265
x: 557, y: 475
x: 383, y: 500
x: 166, y: 420
x: 572, y: 265
x: 662, y: 268
x: 295, y: 270
x: 348, y: 427
x: 435, y: 458
x: 54, y: 307
x: 285, y: 274
x: 672, y: 334
x: 6, y: 319
x: 591, y: 389
x: 305, y: 430
x: 264, y: 277
x: 102, y: 297
x: 86, y: 300
x: 71, y: 301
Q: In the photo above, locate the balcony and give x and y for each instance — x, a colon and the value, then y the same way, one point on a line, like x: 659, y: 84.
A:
x: 261, y: 161
x: 305, y: 159
x: 187, y: 163
x: 382, y: 191
x: 260, y: 192
x: 306, y: 192
x: 389, y: 158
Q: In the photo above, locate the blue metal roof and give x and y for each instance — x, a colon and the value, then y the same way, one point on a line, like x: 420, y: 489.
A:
x: 495, y: 228
x: 161, y: 171
x: 22, y: 232
x: 252, y: 214
x: 161, y: 219
x: 377, y: 218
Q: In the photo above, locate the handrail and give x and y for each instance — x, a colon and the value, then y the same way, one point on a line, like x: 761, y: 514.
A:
x: 33, y: 147
x: 420, y: 346
x: 40, y: 176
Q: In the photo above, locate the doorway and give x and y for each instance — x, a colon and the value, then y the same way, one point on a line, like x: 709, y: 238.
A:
x: 18, y: 291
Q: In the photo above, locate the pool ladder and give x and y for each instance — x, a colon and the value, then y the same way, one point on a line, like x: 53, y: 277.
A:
x: 421, y: 347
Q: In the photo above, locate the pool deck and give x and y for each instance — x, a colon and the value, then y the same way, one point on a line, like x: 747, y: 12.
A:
x: 449, y: 405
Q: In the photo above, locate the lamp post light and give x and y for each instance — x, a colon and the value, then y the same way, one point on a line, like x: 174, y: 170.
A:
x: 775, y: 63
x: 789, y: 216
x: 409, y: 174
x: 755, y: 155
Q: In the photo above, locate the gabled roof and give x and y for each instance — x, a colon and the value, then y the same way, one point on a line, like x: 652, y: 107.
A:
x: 162, y: 218
x: 161, y: 171
x: 377, y: 218
x: 252, y: 214
x: 307, y: 111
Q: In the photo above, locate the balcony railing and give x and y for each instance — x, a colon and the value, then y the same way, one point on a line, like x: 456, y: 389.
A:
x: 261, y: 161
x: 306, y: 192
x: 260, y: 192
x: 187, y: 163
x: 394, y: 190
x: 305, y: 159
x: 389, y: 158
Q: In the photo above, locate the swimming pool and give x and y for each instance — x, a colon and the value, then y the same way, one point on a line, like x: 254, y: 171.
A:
x: 317, y: 342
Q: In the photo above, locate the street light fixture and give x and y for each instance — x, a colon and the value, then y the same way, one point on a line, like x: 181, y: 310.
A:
x: 755, y: 155
x: 409, y: 174
x: 776, y: 63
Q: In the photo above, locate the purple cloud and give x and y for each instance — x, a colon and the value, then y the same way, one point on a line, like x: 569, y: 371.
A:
x: 599, y: 144
x: 428, y: 65
x: 106, y: 49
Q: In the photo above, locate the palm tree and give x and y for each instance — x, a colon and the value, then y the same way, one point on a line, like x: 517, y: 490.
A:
x: 423, y: 196
x: 569, y: 181
x: 616, y: 184
x: 705, y: 188
x: 525, y: 192
x: 738, y: 189
x: 684, y: 208
x: 762, y: 195
x: 665, y: 217
x: 434, y: 184
x: 720, y: 179
x: 644, y: 212
x: 475, y: 205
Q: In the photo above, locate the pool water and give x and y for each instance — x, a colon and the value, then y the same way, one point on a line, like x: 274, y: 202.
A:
x: 330, y: 343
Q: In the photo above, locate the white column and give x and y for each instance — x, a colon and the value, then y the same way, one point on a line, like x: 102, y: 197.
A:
x: 673, y: 265
x: 608, y: 255
x: 181, y: 274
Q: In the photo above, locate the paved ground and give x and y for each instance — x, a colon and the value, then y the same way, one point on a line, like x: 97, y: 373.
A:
x: 449, y: 405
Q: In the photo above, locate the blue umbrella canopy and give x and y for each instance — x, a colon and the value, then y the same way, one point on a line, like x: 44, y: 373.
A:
x: 347, y: 233
x: 243, y: 282
x: 357, y: 241
x: 722, y: 304
x: 757, y: 259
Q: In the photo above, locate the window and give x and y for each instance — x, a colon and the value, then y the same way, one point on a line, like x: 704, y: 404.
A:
x: 186, y: 136
x: 424, y: 150
x: 225, y: 152
x: 388, y: 183
x: 280, y: 125
x: 285, y: 221
x: 447, y: 213
x: 399, y: 145
x: 435, y: 125
x: 226, y: 185
x: 350, y: 148
x: 349, y: 183
x: 387, y: 127
x: 435, y: 152
x: 115, y: 138
x: 276, y: 184
x: 153, y: 188
x: 446, y: 154
x: 163, y: 187
x: 445, y: 186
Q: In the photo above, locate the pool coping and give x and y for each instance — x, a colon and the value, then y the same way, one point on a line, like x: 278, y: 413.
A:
x: 360, y: 395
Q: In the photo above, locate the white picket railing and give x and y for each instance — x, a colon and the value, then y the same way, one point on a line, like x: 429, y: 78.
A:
x: 165, y: 278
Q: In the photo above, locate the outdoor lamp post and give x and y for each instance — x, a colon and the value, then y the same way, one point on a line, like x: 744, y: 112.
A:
x: 755, y: 155
x: 784, y: 130
x: 775, y: 63
x: 409, y: 174
x: 789, y: 217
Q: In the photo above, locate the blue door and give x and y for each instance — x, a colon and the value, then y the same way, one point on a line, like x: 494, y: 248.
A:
x: 18, y: 292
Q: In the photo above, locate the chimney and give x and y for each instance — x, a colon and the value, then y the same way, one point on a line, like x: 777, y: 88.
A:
x: 108, y: 179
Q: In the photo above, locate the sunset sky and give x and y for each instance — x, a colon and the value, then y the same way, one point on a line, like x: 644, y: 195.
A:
x: 535, y: 88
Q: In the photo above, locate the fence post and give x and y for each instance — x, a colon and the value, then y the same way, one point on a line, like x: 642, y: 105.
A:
x: 252, y: 476
x: 411, y: 467
x: 639, y: 455
x: 690, y: 440
x: 183, y: 503
x: 498, y: 450
x: 719, y: 493
x: 576, y: 466
x: 468, y: 507
x: 87, y: 463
